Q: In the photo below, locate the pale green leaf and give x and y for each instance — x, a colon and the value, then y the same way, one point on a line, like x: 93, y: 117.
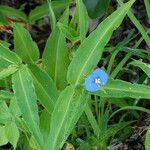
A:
x: 83, y: 19
x: 26, y: 98
x: 45, y: 88
x: 25, y: 47
x: 113, y: 130
x: 3, y: 139
x: 8, y: 55
x: 67, y: 111
x: 90, y: 50
x: 12, y: 133
x: 11, y: 69
x: 56, y: 57
x: 119, y: 88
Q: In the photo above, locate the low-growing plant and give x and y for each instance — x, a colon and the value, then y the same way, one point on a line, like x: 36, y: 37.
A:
x: 43, y: 98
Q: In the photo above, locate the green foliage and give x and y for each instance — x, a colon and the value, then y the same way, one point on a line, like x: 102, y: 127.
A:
x: 119, y: 89
x: 43, y: 98
x: 24, y: 45
x: 11, y: 12
x: 90, y: 51
x: 96, y: 8
x: 43, y: 10
x: 26, y: 99
x: 56, y: 55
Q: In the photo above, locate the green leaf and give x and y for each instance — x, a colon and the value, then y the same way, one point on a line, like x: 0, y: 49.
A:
x: 3, y: 139
x: 51, y: 15
x: 113, y: 130
x: 14, y: 108
x: 67, y: 111
x: 12, y: 133
x: 43, y: 10
x: 26, y: 98
x: 56, y: 57
x: 145, y: 67
x: 25, y: 47
x: 5, y: 116
x: 96, y: 8
x: 11, y: 12
x: 8, y: 55
x: 138, y: 25
x: 92, y: 120
x: 3, y: 20
x: 6, y: 94
x: 8, y: 71
x: 45, y: 88
x: 90, y: 50
x: 119, y: 88
x: 45, y: 121
x: 130, y: 108
x: 147, y: 5
x: 147, y: 141
x: 83, y: 19
x: 68, y: 32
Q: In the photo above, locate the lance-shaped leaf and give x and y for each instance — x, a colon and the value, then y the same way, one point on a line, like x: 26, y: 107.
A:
x: 11, y: 12
x: 83, y: 19
x: 55, y: 56
x: 25, y: 47
x: 119, y: 89
x: 8, y: 71
x: 8, y: 55
x: 67, y: 111
x: 145, y: 67
x: 90, y: 50
x: 43, y: 10
x: 27, y: 101
x: 45, y: 88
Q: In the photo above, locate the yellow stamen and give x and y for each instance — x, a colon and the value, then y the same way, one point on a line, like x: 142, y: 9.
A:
x: 97, y: 81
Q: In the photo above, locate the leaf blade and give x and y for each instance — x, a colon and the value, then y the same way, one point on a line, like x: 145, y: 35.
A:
x: 89, y: 52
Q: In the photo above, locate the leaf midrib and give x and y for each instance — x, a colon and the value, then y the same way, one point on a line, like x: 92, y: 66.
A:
x: 86, y: 62
x: 63, y: 119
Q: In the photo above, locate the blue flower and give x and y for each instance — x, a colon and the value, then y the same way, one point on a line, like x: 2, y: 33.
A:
x: 95, y: 80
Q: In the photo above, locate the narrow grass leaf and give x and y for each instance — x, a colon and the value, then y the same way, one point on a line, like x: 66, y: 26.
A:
x: 138, y: 25
x: 83, y: 19
x: 145, y: 67
x: 147, y: 140
x: 51, y: 15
